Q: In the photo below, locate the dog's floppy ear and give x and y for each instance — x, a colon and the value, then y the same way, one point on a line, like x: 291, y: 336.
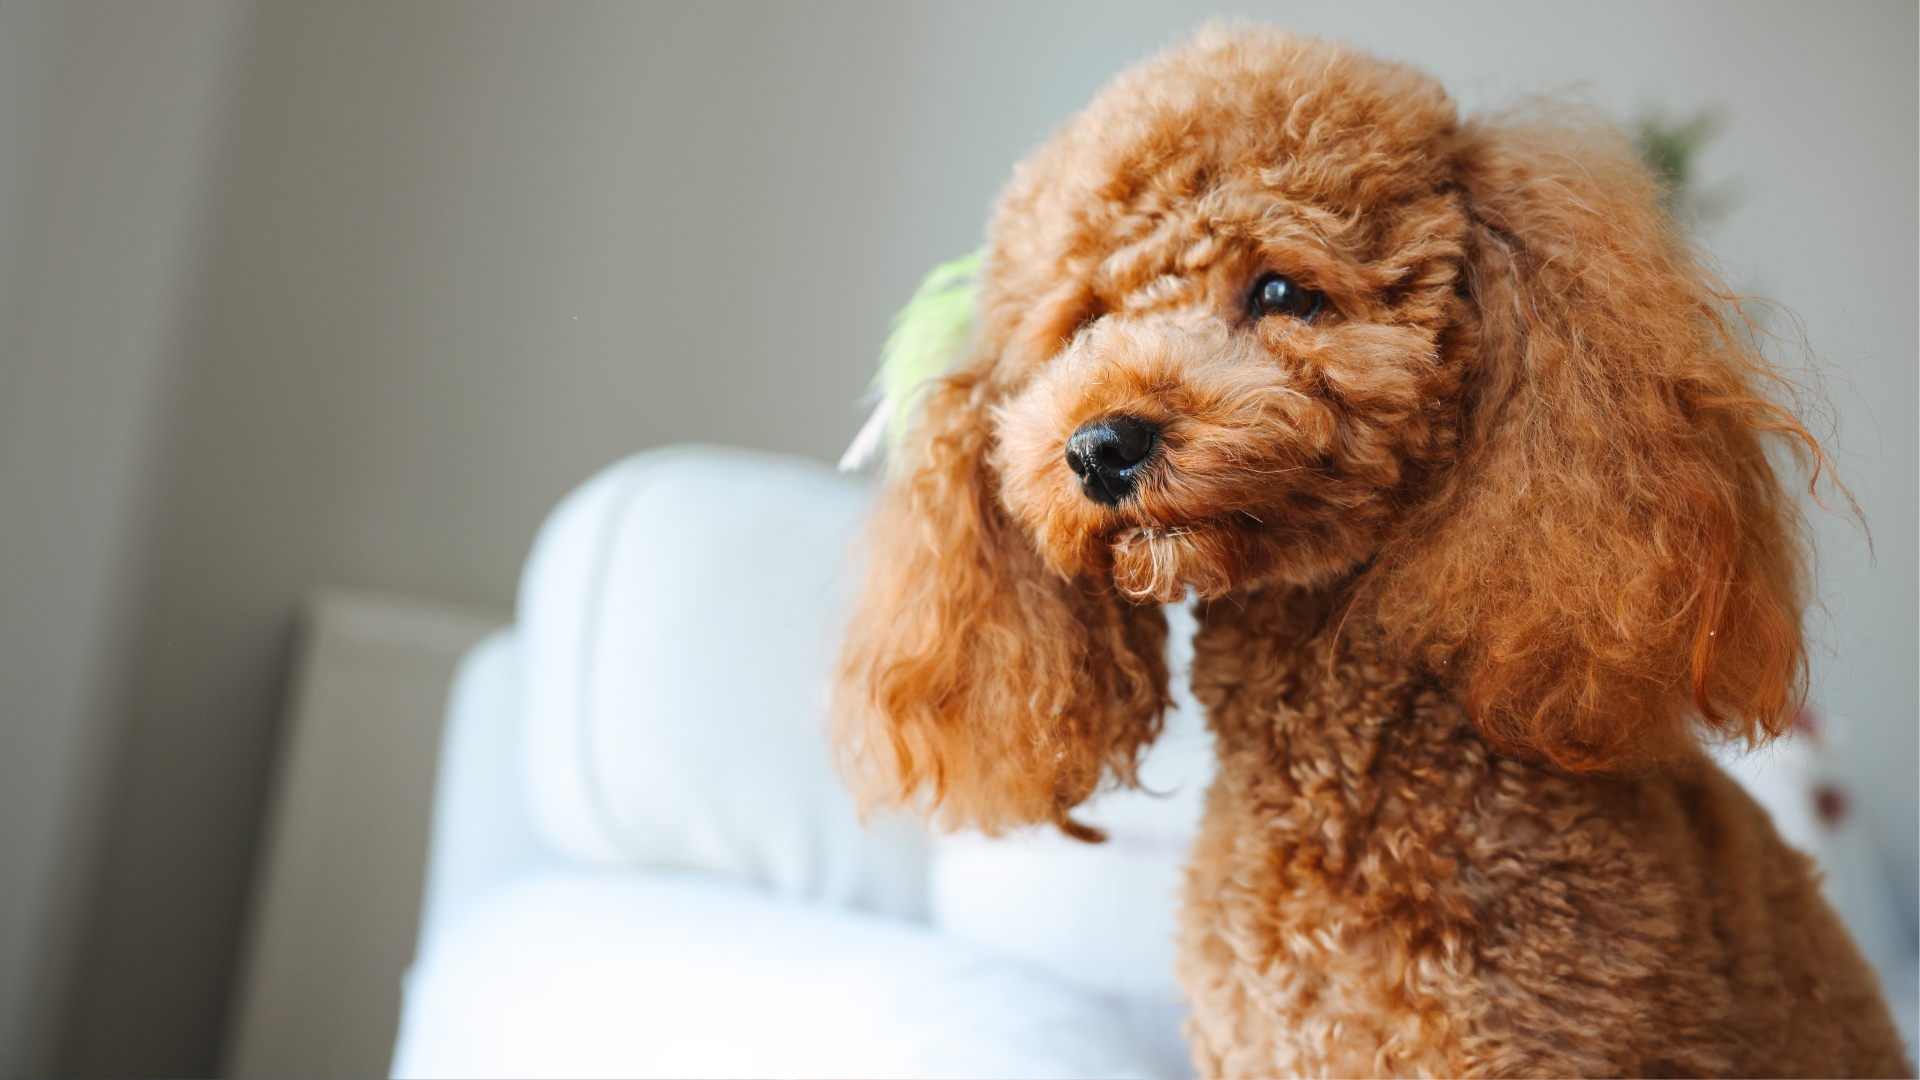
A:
x: 1613, y: 562
x: 976, y: 681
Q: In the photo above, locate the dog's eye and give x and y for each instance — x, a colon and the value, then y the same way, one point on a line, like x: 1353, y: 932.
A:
x: 1277, y: 294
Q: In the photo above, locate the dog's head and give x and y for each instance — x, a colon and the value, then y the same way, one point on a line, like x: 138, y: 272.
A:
x: 1268, y: 313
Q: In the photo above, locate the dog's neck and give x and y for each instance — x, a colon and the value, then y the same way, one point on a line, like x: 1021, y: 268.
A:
x: 1305, y: 706
x: 1277, y: 650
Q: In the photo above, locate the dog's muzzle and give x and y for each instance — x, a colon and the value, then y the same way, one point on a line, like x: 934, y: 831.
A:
x: 1110, y: 454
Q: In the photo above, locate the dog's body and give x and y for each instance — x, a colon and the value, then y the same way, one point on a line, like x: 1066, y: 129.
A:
x: 1465, y: 457
x: 1376, y: 893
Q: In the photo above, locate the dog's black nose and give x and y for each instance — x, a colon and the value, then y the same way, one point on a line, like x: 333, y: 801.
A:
x: 1108, y: 454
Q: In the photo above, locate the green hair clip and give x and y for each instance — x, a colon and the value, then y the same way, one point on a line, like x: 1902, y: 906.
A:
x: 927, y: 335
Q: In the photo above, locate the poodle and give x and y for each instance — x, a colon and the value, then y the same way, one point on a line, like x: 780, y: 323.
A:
x: 1465, y: 460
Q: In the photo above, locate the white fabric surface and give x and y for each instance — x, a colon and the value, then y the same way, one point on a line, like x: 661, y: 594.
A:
x: 680, y: 613
x: 1098, y: 916
x: 482, y: 828
x: 583, y: 973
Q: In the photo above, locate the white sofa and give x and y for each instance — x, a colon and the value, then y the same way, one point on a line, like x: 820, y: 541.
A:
x: 644, y: 864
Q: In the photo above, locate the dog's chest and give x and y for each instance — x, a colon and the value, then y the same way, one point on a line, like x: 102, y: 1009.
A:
x: 1328, y: 858
x: 1368, y: 868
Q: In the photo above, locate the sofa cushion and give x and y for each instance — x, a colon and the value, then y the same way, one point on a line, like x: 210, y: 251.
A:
x: 574, y: 972
x: 679, y: 616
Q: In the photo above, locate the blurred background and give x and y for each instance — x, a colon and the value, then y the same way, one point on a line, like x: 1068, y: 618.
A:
x: 294, y: 294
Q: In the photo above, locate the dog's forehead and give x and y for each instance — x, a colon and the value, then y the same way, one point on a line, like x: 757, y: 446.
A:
x: 1237, y: 138
x: 1235, y: 228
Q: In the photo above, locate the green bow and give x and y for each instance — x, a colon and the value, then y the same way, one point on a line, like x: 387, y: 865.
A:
x: 927, y: 335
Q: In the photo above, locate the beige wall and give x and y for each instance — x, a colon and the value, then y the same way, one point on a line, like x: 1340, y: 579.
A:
x: 461, y: 255
x: 108, y: 118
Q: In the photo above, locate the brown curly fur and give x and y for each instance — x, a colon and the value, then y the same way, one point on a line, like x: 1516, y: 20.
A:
x: 1484, y: 550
